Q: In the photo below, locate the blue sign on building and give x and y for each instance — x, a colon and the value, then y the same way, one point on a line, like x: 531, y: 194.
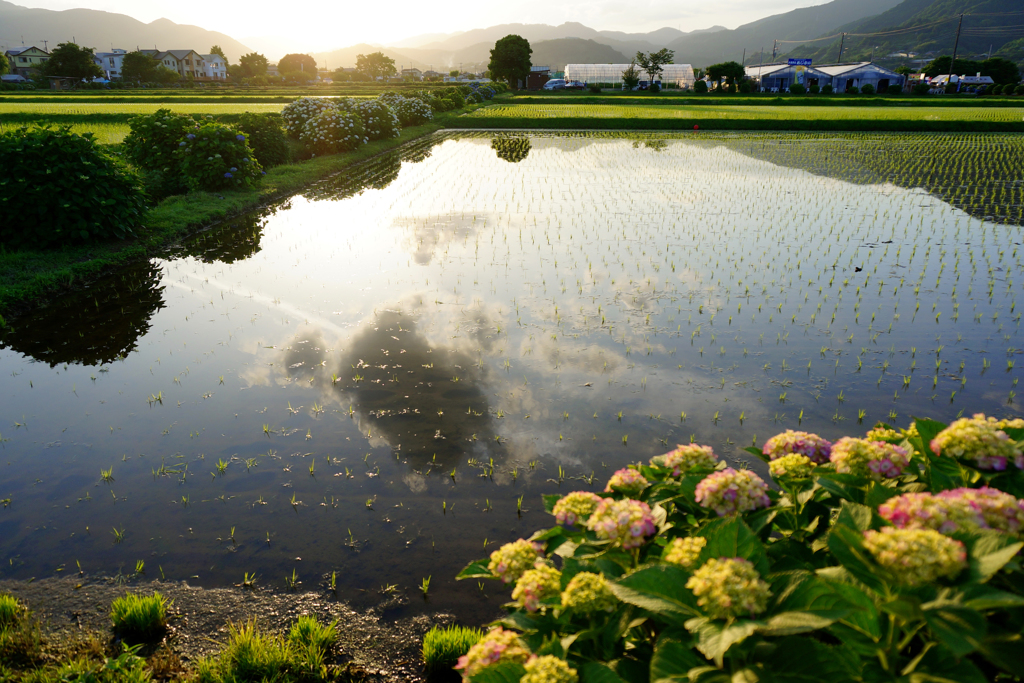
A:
x: 800, y: 62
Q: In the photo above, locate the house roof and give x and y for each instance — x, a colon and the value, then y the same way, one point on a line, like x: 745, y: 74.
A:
x: 212, y: 58
x: 840, y: 69
x: 25, y: 48
x: 177, y: 54
x: 540, y: 68
x: 769, y: 69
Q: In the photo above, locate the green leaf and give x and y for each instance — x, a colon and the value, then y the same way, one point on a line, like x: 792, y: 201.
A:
x: 1005, y: 651
x: 854, y: 516
x: 714, y: 638
x: 596, y: 672
x: 939, y: 665
x: 797, y: 659
x: 753, y: 450
x: 672, y: 660
x: 985, y: 598
x: 731, y: 537
x: 847, y: 545
x: 502, y: 672
x: 989, y: 553
x: 958, y: 628
x: 549, y: 502
x: 928, y: 430
x: 791, y: 623
x: 661, y: 589
x: 475, y: 570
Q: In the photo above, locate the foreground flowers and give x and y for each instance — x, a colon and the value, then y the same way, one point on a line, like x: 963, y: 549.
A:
x: 729, y: 587
x: 981, y: 440
x: 576, y: 507
x: 873, y: 459
x: 957, y: 510
x: 512, y: 559
x: 625, y: 522
x: 732, y: 491
x: 686, y: 458
x: 535, y: 585
x: 916, y: 556
x: 498, y: 645
x: 813, y: 446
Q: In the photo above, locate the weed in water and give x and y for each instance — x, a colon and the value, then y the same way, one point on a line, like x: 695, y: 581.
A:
x: 442, y: 647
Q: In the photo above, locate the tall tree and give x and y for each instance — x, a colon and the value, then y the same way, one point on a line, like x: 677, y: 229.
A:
x: 138, y: 67
x: 252, y: 64
x: 376, y: 64
x: 297, y: 62
x: 4, y: 65
x: 1001, y: 70
x: 940, y: 66
x: 730, y: 71
x: 216, y: 50
x: 71, y: 61
x: 654, y: 62
x: 510, y: 60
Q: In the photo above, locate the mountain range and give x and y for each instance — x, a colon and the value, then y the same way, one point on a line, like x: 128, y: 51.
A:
x: 104, y: 31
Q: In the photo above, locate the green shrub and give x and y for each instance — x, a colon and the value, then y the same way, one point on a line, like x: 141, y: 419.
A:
x: 412, y: 111
x: 379, y: 122
x: 57, y: 188
x: 153, y: 139
x: 1019, y: 90
x: 265, y: 134
x: 332, y: 131
x: 442, y: 647
x: 867, y: 89
x: 894, y: 89
x: 745, y: 87
x: 296, y: 114
x: 814, y: 90
x: 797, y: 89
x: 826, y: 89
x: 895, y: 556
x: 139, y: 618
x: 11, y: 610
x: 474, y: 98
x: 216, y: 157
x: 921, y: 88
x: 700, y: 87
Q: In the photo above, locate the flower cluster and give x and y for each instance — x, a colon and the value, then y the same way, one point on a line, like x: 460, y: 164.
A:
x: 686, y: 458
x: 379, y: 121
x: 627, y: 481
x: 916, y: 556
x: 412, y: 111
x: 588, y: 593
x: 214, y: 158
x: 791, y: 465
x: 537, y: 584
x: 732, y: 491
x: 575, y: 507
x: 980, y: 440
x: 332, y: 131
x: 729, y: 587
x: 498, y: 645
x: 875, y: 459
x: 927, y: 511
x: 625, y: 522
x: 1016, y: 423
x: 960, y: 509
x: 298, y: 113
x: 804, y: 443
x: 512, y: 559
x: 684, y: 551
x: 548, y: 669
x: 884, y: 434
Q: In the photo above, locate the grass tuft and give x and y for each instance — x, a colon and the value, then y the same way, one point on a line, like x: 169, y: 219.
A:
x: 11, y: 610
x: 442, y: 647
x: 139, y: 618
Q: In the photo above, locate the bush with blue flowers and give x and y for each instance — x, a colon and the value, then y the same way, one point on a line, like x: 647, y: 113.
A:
x: 216, y: 157
x: 154, y: 138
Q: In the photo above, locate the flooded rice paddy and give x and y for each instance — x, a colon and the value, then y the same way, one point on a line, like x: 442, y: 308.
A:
x: 378, y: 378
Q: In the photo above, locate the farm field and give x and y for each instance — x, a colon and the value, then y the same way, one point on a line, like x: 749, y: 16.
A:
x: 382, y: 374
x: 761, y: 112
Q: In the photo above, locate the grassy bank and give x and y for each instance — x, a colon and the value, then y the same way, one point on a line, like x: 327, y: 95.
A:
x: 28, y: 275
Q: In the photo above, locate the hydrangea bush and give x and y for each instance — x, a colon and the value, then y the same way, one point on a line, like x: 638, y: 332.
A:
x: 298, y: 113
x: 895, y: 557
x: 332, y: 131
x: 217, y: 157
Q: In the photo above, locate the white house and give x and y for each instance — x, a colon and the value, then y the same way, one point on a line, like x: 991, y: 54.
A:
x: 111, y: 63
x: 214, y: 67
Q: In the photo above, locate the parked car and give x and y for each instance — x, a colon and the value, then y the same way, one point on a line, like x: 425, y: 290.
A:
x: 575, y: 85
x: 555, y: 84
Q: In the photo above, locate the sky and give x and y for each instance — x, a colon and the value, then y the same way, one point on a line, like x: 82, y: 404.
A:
x: 316, y: 25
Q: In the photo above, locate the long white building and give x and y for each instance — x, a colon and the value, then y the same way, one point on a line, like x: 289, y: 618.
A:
x: 680, y: 74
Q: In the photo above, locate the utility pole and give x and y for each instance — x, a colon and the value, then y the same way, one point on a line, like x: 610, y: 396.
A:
x: 956, y: 44
x: 760, y: 61
x: 744, y: 62
x: 841, y: 42
x: 46, y: 46
x: 774, y: 45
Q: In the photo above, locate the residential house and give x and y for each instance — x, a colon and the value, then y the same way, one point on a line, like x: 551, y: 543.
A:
x: 26, y: 60
x: 412, y: 74
x: 188, y: 63
x: 214, y: 68
x: 111, y: 63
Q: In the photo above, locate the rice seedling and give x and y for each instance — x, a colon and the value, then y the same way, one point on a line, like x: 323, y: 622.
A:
x: 442, y: 647
x: 107, y: 475
x: 11, y: 611
x: 292, y: 582
x: 138, y: 618
x: 425, y: 586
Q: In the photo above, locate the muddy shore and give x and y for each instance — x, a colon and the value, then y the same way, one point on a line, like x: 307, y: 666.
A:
x: 387, y: 649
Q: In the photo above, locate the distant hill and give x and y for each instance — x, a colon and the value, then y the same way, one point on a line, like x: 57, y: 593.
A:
x: 103, y: 30
x: 978, y: 33
x: 558, y: 53
x: 702, y: 49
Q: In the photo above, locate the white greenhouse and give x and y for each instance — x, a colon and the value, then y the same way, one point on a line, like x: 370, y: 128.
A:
x: 680, y: 74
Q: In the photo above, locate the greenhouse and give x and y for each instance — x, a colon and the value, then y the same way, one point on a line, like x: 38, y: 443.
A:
x: 680, y: 74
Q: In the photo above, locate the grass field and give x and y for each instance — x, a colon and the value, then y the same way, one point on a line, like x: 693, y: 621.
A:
x: 48, y: 109
x: 731, y: 111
